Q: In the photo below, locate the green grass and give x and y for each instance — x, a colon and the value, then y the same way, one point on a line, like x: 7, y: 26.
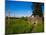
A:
x: 22, y: 26
x: 40, y: 27
x: 18, y: 26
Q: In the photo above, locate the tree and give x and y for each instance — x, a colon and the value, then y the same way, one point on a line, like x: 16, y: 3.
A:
x: 37, y: 9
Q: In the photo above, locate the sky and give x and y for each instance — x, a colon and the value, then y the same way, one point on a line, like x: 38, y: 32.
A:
x: 20, y: 8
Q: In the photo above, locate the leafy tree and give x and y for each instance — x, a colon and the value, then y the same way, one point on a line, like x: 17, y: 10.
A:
x: 24, y: 18
x: 37, y: 9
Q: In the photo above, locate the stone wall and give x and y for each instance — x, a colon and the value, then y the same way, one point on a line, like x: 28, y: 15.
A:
x: 34, y: 20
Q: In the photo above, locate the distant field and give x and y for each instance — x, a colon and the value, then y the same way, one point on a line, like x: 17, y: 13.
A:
x: 15, y: 26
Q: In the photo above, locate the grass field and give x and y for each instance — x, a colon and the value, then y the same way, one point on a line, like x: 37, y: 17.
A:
x: 14, y: 26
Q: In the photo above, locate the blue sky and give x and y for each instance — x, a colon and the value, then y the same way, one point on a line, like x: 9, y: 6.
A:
x: 20, y: 8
